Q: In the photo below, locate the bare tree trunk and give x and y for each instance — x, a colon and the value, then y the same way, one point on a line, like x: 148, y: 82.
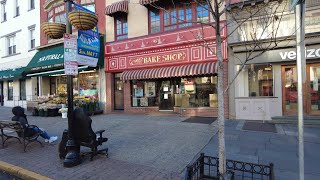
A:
x: 220, y: 90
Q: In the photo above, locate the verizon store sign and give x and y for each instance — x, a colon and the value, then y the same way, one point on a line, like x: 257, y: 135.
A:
x: 310, y: 54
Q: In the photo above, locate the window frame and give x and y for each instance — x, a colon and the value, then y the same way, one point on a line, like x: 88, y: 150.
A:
x: 14, y: 46
x: 32, y: 39
x: 31, y: 5
x: 10, y: 98
x: 20, y: 92
x: 17, y: 9
x: 124, y: 35
x: 3, y: 12
x: 193, y: 20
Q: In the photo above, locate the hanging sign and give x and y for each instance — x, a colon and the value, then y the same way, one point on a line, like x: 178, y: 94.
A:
x: 70, y: 54
x: 88, y: 43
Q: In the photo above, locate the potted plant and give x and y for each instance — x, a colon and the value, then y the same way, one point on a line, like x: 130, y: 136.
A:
x: 83, y: 20
x: 64, y: 112
x: 53, y: 30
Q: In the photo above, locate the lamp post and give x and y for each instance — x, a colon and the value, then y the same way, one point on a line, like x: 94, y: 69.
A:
x: 299, y: 6
x: 72, y: 158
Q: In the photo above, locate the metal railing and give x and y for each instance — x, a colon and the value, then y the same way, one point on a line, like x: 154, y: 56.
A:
x: 206, y: 167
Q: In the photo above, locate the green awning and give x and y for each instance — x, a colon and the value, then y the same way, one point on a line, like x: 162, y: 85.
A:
x: 11, y: 74
x: 47, y: 59
x: 51, y: 58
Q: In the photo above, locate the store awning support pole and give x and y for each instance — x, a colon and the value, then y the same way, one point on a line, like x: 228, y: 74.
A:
x: 72, y: 158
x: 301, y: 70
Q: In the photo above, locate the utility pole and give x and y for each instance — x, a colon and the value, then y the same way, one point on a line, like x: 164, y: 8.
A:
x: 72, y: 158
x: 301, y: 71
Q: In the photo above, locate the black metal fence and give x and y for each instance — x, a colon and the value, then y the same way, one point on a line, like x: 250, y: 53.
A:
x: 207, y: 167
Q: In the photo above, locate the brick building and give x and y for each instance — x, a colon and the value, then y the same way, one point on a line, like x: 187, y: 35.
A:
x: 155, y: 61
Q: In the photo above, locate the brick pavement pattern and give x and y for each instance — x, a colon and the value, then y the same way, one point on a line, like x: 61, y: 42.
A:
x: 140, y: 147
x: 160, y: 147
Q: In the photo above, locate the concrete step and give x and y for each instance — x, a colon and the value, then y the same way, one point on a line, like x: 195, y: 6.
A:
x: 308, y: 120
x: 295, y: 118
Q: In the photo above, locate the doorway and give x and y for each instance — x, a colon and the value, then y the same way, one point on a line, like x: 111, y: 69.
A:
x: 1, y: 94
x: 166, y: 95
x: 311, y: 90
x: 118, y: 92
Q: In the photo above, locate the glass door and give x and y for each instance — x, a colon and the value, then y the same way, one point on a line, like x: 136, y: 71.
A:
x: 118, y: 93
x: 1, y: 93
x: 289, y: 89
x: 165, y: 92
x: 313, y: 97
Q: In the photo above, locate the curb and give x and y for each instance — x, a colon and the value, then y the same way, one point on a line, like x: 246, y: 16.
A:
x: 20, y: 172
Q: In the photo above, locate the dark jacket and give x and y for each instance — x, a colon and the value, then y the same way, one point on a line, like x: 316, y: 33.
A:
x: 19, y: 116
x: 82, y: 130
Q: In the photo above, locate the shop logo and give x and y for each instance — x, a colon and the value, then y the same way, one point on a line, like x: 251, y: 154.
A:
x: 50, y: 57
x: 310, y: 53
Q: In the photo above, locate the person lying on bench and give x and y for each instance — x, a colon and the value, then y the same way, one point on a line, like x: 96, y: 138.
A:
x: 29, y: 130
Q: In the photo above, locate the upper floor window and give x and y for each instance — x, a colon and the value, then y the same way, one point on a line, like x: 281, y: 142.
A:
x: 121, y: 27
x: 3, y: 12
x: 17, y: 8
x: 32, y: 38
x: 31, y: 4
x: 11, y: 46
x: 89, y: 4
x: 178, y: 16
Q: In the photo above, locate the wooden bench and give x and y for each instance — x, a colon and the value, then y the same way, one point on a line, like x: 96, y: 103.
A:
x: 11, y: 129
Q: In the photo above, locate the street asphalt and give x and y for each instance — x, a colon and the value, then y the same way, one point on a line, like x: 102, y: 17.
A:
x: 161, y: 146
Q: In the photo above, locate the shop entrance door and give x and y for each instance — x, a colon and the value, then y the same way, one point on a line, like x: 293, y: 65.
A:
x: 289, y: 90
x: 165, y: 92
x: 1, y: 94
x: 311, y: 91
x: 118, y: 93
x: 313, y: 87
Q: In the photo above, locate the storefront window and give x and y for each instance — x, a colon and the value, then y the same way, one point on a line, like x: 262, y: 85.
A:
x: 22, y: 89
x: 144, y: 93
x: 84, y: 85
x: 196, y: 92
x: 260, y: 80
x: 10, y: 90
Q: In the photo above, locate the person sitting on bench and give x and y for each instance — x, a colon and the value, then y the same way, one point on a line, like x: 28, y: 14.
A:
x: 22, y: 118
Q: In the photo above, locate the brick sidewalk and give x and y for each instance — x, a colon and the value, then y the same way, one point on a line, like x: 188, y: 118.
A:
x: 140, y: 147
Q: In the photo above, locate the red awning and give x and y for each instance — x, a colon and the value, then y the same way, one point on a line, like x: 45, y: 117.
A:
x: 146, y: 2
x: 121, y: 6
x: 173, y: 71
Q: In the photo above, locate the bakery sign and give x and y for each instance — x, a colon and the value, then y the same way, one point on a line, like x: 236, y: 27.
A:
x: 159, y: 58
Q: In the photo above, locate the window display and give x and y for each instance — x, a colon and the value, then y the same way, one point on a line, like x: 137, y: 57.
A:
x: 260, y: 78
x: 144, y: 93
x: 197, y: 92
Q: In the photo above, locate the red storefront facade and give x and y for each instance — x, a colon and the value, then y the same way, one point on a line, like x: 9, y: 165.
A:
x: 172, y: 71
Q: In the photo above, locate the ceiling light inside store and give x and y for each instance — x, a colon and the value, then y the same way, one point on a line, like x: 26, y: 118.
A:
x: 88, y: 71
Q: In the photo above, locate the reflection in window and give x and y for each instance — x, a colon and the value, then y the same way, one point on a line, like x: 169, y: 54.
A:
x: 121, y: 27
x: 196, y: 92
x: 10, y: 90
x: 23, y: 90
x: 203, y: 13
x: 155, y: 20
x: 177, y: 16
x: 144, y: 93
x: 260, y: 78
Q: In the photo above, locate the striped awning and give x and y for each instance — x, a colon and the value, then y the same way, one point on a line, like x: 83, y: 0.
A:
x: 121, y: 6
x: 146, y: 2
x: 173, y: 71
